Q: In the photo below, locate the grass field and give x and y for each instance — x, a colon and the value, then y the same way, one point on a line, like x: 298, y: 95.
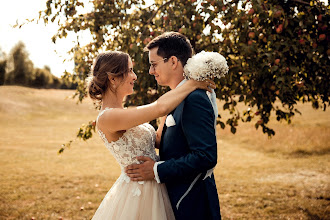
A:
x: 286, y: 177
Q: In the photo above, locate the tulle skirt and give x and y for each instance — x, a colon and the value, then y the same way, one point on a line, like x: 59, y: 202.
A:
x: 128, y: 200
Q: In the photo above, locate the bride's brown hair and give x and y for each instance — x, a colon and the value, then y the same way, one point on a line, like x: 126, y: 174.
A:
x: 113, y: 63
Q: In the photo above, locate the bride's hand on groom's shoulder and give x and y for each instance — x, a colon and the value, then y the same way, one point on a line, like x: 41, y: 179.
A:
x: 206, y: 84
x: 143, y: 171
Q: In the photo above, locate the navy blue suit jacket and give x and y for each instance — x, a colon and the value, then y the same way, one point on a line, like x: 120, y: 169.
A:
x: 190, y: 148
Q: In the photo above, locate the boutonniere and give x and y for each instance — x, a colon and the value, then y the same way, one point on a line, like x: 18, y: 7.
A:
x: 170, y: 121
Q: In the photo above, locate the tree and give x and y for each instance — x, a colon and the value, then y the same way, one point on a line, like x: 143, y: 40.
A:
x: 43, y: 78
x: 279, y: 50
x: 22, y: 73
x: 18, y: 69
x: 276, y: 49
x: 56, y: 82
x: 53, y: 81
x: 3, y: 65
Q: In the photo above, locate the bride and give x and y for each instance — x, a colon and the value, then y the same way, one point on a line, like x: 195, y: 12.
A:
x: 127, y: 134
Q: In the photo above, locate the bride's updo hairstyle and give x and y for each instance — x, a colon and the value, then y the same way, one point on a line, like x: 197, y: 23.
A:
x: 112, y: 63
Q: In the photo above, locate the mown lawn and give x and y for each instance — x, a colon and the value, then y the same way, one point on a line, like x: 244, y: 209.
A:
x: 286, y: 177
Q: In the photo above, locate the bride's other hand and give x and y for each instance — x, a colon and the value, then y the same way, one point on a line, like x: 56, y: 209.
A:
x: 207, y: 84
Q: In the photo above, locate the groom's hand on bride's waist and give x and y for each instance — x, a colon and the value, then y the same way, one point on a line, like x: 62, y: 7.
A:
x: 143, y: 171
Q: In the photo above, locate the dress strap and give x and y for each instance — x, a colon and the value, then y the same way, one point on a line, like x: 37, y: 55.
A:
x: 102, y: 112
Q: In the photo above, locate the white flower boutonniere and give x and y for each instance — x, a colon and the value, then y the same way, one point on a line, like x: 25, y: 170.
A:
x: 170, y: 121
x: 206, y: 65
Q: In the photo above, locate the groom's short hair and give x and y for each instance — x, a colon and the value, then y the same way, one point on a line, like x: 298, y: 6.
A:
x: 172, y: 44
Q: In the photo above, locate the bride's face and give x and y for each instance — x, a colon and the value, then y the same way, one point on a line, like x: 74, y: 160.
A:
x: 127, y: 85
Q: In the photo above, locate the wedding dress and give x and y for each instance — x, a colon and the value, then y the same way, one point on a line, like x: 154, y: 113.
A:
x: 143, y: 200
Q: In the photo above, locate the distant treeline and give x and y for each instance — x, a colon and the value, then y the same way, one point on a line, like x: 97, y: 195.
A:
x: 18, y: 69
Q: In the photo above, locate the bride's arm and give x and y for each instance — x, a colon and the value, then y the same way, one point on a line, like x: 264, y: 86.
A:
x: 122, y: 119
x: 160, y: 131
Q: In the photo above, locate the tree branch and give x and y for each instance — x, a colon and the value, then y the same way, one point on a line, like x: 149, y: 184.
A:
x: 301, y: 1
x: 155, y: 13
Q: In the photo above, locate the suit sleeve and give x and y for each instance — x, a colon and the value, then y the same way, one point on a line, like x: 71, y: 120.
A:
x: 198, y: 127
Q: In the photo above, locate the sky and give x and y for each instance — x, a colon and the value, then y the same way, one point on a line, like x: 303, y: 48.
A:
x: 36, y: 37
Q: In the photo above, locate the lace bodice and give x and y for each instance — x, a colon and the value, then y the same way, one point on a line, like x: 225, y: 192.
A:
x: 136, y: 141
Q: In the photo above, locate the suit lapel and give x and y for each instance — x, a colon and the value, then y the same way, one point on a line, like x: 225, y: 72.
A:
x: 162, y: 138
x: 163, y: 133
x: 161, y: 142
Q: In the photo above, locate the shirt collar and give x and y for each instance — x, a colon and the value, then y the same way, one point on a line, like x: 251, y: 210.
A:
x: 181, y: 83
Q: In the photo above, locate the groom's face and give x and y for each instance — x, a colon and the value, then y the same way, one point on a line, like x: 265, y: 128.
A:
x: 159, y: 68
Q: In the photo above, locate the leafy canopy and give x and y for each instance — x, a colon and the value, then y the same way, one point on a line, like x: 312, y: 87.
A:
x: 277, y: 50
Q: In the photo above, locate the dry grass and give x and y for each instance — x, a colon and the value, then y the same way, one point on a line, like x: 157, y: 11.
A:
x: 286, y: 177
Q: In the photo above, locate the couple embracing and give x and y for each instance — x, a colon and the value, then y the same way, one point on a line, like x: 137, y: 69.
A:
x: 179, y: 183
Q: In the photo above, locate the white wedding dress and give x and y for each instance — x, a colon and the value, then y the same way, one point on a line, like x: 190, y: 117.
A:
x: 144, y: 200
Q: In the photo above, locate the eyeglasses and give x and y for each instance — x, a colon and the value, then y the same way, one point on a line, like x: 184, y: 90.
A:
x: 153, y: 65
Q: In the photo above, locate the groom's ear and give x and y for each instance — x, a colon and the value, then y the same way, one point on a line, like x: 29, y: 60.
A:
x: 174, y: 62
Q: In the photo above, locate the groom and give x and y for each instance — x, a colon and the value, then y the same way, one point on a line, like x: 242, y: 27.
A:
x: 188, y: 148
